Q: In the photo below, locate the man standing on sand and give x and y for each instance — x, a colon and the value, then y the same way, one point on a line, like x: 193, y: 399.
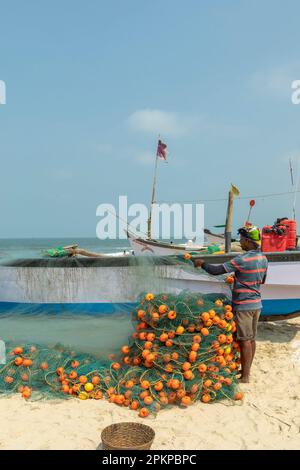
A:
x: 250, y: 271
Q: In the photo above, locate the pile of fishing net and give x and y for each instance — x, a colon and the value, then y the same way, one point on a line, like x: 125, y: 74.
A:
x: 182, y: 350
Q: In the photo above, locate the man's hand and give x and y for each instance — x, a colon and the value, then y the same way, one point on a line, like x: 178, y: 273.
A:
x: 198, y: 262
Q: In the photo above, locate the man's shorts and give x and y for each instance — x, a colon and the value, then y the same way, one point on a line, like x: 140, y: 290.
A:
x: 246, y: 324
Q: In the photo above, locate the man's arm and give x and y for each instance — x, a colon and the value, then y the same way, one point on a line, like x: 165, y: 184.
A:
x: 214, y: 269
x: 230, y: 266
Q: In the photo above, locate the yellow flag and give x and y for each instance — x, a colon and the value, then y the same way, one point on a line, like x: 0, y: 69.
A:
x: 235, y: 190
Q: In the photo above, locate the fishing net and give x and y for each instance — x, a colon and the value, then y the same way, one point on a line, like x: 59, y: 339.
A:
x: 182, y: 350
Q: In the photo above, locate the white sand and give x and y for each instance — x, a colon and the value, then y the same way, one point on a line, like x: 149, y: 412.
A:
x: 268, y: 418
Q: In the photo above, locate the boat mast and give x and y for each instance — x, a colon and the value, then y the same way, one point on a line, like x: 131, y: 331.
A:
x: 152, y: 200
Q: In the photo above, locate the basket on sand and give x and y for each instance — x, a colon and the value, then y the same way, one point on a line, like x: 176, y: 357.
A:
x: 127, y: 436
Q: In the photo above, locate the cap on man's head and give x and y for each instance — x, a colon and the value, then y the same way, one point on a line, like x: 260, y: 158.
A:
x: 251, y: 233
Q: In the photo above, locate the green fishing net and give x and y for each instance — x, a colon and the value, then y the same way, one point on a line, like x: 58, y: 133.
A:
x: 56, y: 252
x: 181, y: 350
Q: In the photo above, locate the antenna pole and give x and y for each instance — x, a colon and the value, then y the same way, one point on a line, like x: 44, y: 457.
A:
x: 296, y: 191
x: 293, y: 188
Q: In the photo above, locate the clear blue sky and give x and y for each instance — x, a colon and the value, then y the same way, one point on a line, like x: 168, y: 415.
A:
x: 90, y: 84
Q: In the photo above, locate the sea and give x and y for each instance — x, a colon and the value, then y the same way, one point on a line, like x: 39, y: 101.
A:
x: 36, y: 247
x: 97, y: 335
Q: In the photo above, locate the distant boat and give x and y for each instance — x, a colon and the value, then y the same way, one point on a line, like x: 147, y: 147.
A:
x: 146, y: 246
x: 75, y: 251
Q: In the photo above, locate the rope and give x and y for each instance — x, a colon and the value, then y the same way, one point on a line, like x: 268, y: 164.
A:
x: 261, y: 196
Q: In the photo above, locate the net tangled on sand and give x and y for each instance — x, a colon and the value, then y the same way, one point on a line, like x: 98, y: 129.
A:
x: 182, y: 350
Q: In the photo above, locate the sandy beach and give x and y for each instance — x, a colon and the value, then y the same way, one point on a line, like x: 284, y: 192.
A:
x: 268, y: 417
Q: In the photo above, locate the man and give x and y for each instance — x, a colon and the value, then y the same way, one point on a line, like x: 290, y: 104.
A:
x: 250, y: 271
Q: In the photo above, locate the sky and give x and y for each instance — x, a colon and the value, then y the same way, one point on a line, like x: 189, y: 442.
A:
x: 91, y: 85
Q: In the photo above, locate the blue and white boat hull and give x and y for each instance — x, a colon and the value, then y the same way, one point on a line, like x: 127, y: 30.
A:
x: 97, y: 286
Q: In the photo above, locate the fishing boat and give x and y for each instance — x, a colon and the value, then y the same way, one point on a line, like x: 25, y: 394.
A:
x: 112, y: 284
x: 149, y: 246
x: 91, y: 283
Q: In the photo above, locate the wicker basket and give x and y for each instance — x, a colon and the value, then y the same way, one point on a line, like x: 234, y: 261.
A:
x: 127, y: 436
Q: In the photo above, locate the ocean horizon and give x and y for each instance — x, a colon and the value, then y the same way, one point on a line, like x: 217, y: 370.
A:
x: 12, y: 248
x: 34, y: 247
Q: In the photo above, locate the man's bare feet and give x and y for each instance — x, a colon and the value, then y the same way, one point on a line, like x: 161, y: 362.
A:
x: 244, y: 380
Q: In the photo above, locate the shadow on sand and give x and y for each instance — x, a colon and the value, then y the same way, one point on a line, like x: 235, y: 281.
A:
x: 278, y: 332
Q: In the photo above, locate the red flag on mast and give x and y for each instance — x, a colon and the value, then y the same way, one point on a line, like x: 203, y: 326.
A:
x: 161, y: 150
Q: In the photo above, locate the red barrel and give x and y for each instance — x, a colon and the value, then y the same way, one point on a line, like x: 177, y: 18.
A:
x: 291, y: 226
x: 271, y: 241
